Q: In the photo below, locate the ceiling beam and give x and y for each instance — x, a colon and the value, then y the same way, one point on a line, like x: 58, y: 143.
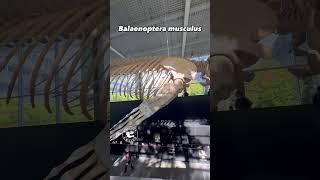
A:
x: 117, y: 52
x: 164, y: 48
x: 185, y: 24
x: 158, y: 20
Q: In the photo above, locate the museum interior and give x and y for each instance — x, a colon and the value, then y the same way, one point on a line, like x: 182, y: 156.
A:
x: 159, y: 89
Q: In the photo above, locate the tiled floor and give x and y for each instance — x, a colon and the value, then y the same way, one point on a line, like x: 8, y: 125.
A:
x: 184, y: 164
x: 131, y: 178
x: 151, y: 167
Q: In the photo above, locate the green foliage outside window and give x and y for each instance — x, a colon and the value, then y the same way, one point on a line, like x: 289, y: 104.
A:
x: 194, y: 89
x: 35, y: 116
x: 273, y: 88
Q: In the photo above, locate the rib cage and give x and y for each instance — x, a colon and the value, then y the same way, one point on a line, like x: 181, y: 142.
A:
x: 138, y: 77
x: 22, y: 36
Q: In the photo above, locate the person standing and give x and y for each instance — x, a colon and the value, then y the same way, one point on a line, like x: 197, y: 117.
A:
x: 128, y: 159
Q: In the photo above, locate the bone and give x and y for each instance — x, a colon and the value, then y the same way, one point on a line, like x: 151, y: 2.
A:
x: 17, y: 23
x: 149, y: 75
x: 118, y: 67
x: 137, y: 87
x: 126, y: 87
x: 122, y: 75
x: 132, y: 83
x: 156, y: 75
x: 144, y: 74
x: 76, y: 171
x: 138, y: 118
x: 91, y: 86
x: 65, y: 101
x: 135, y: 110
x: 80, y: 15
x: 67, y: 81
x: 136, y: 78
x: 60, y: 68
x: 8, y: 25
x: 134, y: 73
x: 96, y: 171
x: 84, y: 87
x: 88, y: 22
x: 104, y: 96
x: 18, y: 33
x: 28, y: 32
x: 148, y: 78
x: 147, y: 69
x: 38, y: 28
x: 76, y: 155
x: 163, y: 74
x: 128, y: 76
x: 154, y: 83
x: 4, y: 63
x: 26, y: 54
x: 165, y: 80
x: 70, y: 73
x: 167, y: 93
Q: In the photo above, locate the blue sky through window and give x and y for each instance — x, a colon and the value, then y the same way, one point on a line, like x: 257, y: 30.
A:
x: 200, y: 58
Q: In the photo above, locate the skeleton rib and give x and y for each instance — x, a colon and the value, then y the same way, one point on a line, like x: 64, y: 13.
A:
x: 88, y: 22
x: 40, y: 59
x: 18, y: 32
x: 130, y: 78
x: 123, y: 75
x: 127, y: 82
x: 18, y: 24
x: 158, y: 73
x: 152, y: 67
x: 133, y: 73
x: 84, y: 87
x: 26, y: 54
x: 120, y: 73
x: 21, y: 63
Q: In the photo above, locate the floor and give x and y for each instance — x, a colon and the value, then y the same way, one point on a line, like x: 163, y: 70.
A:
x: 182, y: 161
x: 153, y: 167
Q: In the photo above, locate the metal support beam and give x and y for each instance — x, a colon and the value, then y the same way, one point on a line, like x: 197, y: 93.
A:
x: 185, y: 24
x: 117, y: 52
x: 56, y: 83
x: 20, y: 92
x: 152, y: 51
